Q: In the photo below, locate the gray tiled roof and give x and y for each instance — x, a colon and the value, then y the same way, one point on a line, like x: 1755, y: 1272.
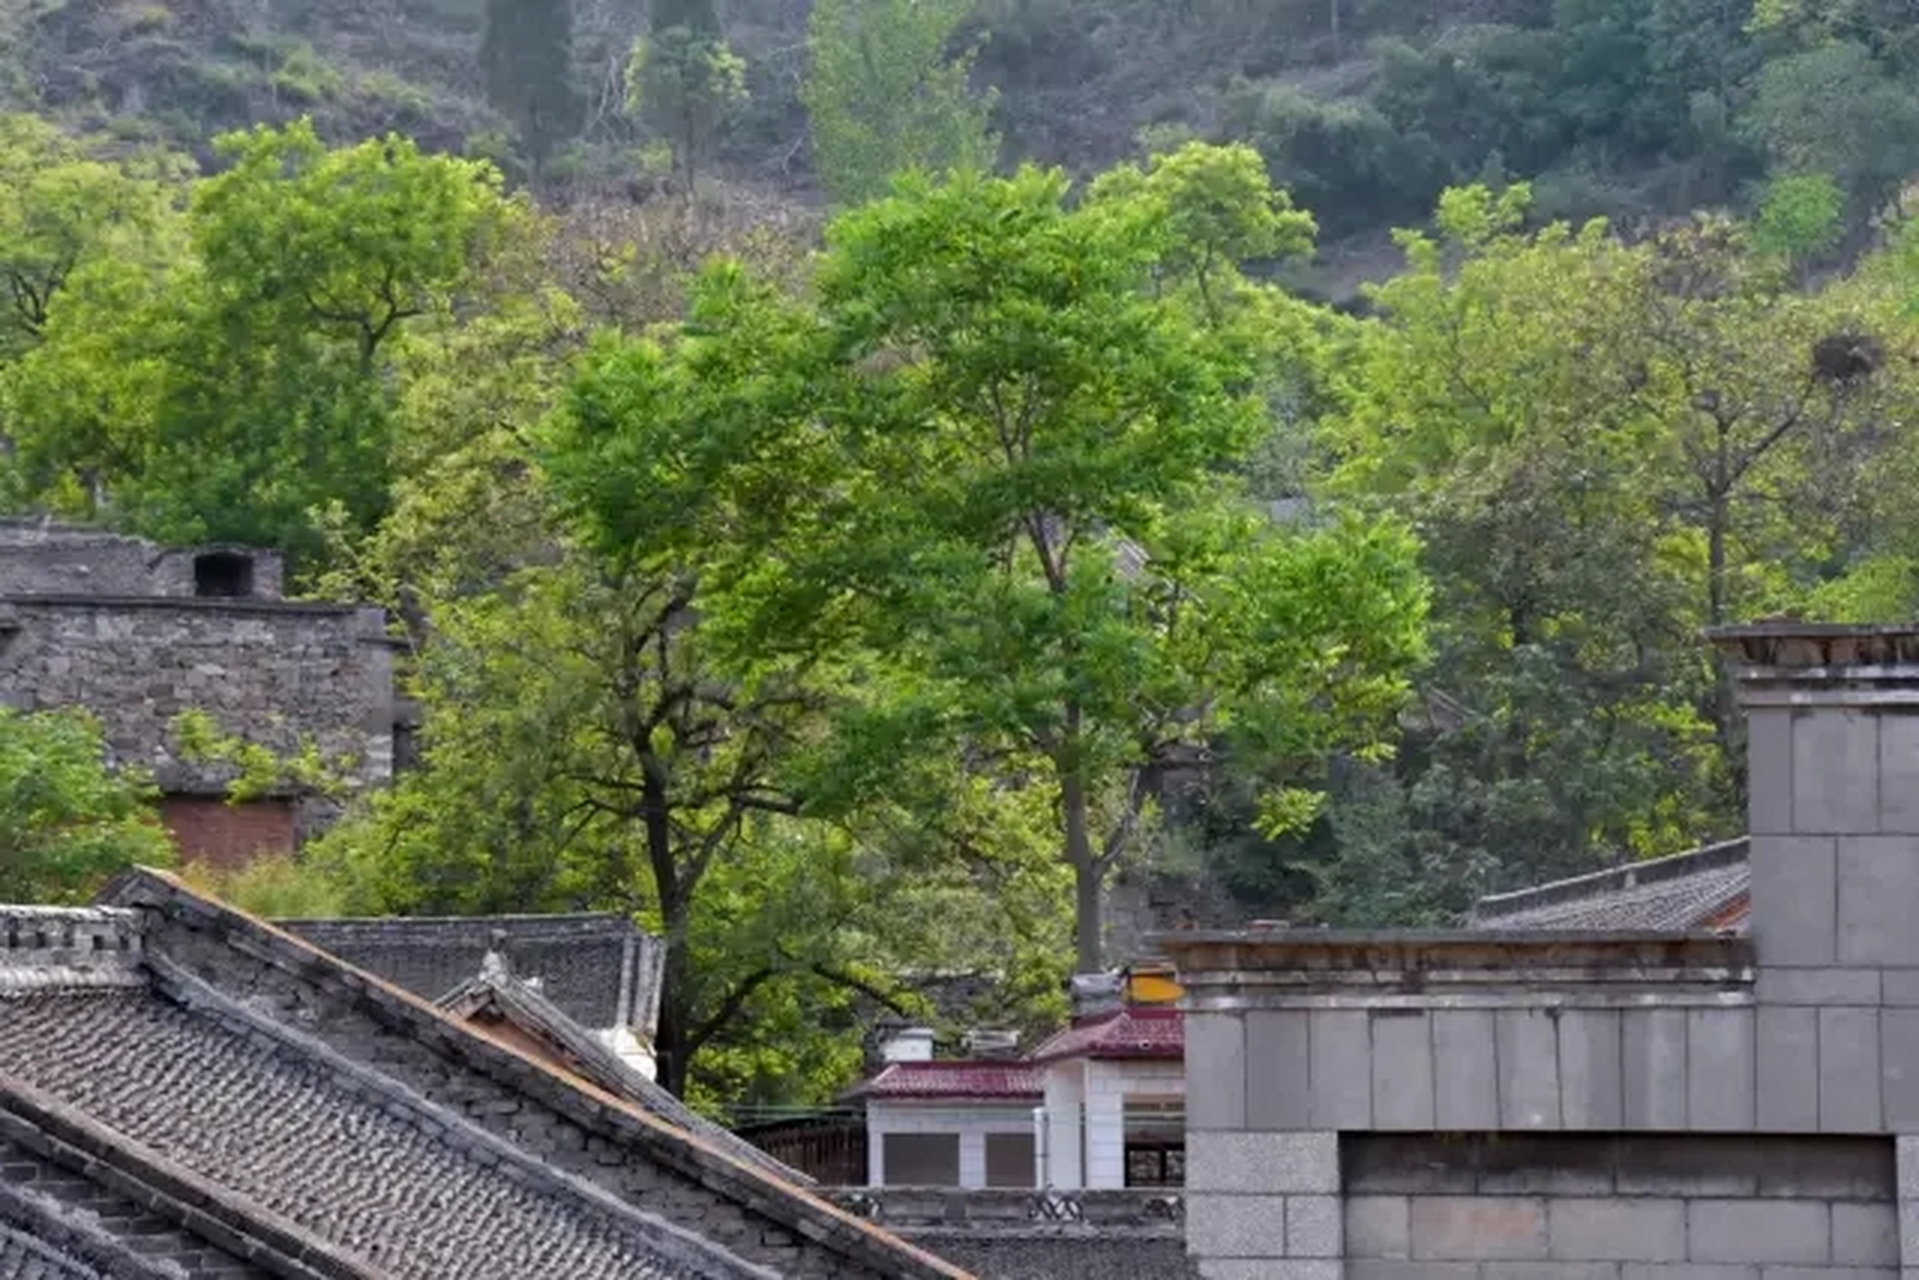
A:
x: 290, y: 1136
x: 585, y: 963
x: 1683, y: 893
x: 24, y: 1258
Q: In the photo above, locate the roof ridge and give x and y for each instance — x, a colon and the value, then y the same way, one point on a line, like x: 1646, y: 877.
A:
x: 125, y: 1165
x: 69, y: 948
x: 689, y: 1155
x: 1723, y: 854
x: 397, y: 1099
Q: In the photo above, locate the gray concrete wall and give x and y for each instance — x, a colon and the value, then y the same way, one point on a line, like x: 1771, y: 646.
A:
x: 271, y: 672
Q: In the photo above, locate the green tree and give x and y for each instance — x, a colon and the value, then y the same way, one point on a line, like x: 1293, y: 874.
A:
x: 685, y: 82
x: 1020, y: 509
x: 67, y: 821
x: 884, y: 96
x: 526, y: 57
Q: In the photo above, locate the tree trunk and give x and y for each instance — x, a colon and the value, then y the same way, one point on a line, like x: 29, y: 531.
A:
x: 669, y: 1041
x: 1088, y: 916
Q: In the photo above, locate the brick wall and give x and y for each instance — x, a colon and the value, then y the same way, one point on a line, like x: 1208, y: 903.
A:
x: 228, y: 836
x: 1507, y: 1207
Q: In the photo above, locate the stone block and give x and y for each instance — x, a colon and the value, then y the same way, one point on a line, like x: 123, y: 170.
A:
x: 1478, y: 1228
x: 1769, y: 770
x: 1380, y: 1269
x: 1681, y: 1166
x: 1720, y: 1086
x: 1342, y: 1070
x: 1899, y: 1068
x: 1835, y: 771
x: 1215, y: 1071
x: 1591, y: 1084
x: 1829, y: 1273
x: 1223, y: 1226
x: 1527, y: 1042
x: 1278, y: 1070
x: 1780, y: 985
x: 1878, y: 900
x: 1906, y: 1158
x: 1402, y: 1055
x: 1849, y: 1071
x: 1276, y: 1269
x: 1619, y: 1230
x: 1786, y: 1232
x: 1378, y: 1227
x: 1688, y: 1271
x: 1262, y: 1164
x: 1314, y: 1227
x: 1549, y: 1271
x: 1654, y: 1061
x: 1865, y: 1235
x: 1787, y: 1069
x: 1465, y: 1084
x: 1899, y: 987
x: 1794, y: 896
x: 1899, y: 771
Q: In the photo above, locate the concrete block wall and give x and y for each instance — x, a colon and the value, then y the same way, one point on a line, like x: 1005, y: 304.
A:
x: 1670, y: 1207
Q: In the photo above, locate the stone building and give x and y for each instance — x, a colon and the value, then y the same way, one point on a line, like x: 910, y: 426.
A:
x: 187, y: 1091
x: 1642, y: 1079
x: 138, y: 633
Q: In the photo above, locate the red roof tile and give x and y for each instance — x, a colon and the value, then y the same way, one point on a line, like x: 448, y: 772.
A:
x: 972, y: 1079
x: 1130, y: 1033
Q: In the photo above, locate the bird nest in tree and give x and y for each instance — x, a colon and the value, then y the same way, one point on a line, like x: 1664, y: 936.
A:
x: 1846, y: 357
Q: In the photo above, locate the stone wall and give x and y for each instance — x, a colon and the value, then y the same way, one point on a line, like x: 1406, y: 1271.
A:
x: 42, y: 557
x: 1505, y: 1207
x: 1006, y: 1234
x: 272, y: 672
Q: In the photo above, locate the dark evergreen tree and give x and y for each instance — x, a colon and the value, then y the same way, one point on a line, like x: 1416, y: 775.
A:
x: 526, y: 57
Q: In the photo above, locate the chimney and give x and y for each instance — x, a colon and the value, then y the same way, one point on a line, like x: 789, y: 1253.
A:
x: 911, y: 1044
x: 1096, y: 995
x: 984, y: 1042
x: 1832, y: 715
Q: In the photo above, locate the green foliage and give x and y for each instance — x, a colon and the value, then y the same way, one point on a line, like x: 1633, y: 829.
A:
x: 257, y: 770
x: 67, y: 821
x: 276, y: 887
x: 1800, y: 218
x: 684, y: 82
x: 883, y: 95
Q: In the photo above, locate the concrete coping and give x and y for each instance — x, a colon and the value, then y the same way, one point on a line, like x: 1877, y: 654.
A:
x: 372, y: 618
x: 1456, y: 951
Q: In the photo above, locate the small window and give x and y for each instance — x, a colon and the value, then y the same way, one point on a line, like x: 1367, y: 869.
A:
x: 223, y: 574
x: 920, y: 1159
x: 1155, y: 1142
x: 1009, y: 1159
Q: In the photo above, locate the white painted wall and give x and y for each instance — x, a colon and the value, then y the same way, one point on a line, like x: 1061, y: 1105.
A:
x: 971, y: 1123
x: 1095, y: 1094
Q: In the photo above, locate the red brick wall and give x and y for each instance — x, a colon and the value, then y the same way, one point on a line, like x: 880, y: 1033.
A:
x: 208, y: 829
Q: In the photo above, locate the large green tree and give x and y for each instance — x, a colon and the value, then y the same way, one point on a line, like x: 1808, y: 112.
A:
x: 886, y: 93
x: 526, y: 57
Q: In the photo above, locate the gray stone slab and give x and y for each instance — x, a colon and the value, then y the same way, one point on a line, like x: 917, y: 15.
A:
x: 1687, y: 1271
x: 1906, y: 1164
x: 1865, y: 1235
x: 1295, y: 1269
x: 1784, y: 1232
x: 1720, y: 1074
x: 1899, y: 1068
x: 1788, y: 1069
x: 1278, y: 1070
x: 1215, y: 1071
x: 1829, y: 1273
x: 1835, y: 771
x: 1223, y: 1226
x: 1377, y: 1269
x: 1780, y: 985
x: 1478, y: 1228
x: 1549, y: 1271
x: 1402, y: 1055
x: 1769, y: 770
x: 1899, y: 987
x: 1849, y: 1071
x: 1342, y: 1069
x: 1899, y: 771
x: 1654, y: 1061
x: 1527, y: 1042
x: 1465, y: 1074
x: 1262, y: 1164
x: 1878, y: 900
x: 1592, y: 1087
x: 1618, y: 1230
x: 1314, y: 1227
x: 1378, y: 1227
x: 1794, y: 897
